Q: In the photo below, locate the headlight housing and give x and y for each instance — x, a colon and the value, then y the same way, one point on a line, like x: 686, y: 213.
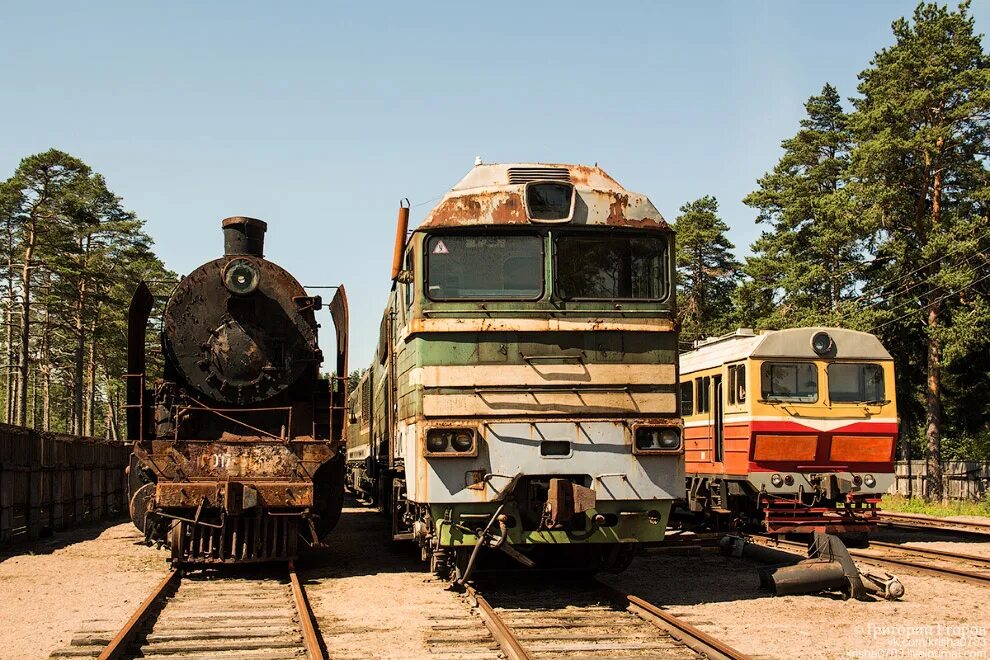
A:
x: 451, y: 442
x: 776, y: 480
x: 657, y: 439
x: 870, y: 481
x: 241, y: 277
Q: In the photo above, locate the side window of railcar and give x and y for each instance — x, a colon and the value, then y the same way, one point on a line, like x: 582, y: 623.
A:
x: 409, y: 285
x: 472, y: 267
x: 737, y: 383
x: 687, y: 398
x: 789, y: 381
x: 704, y: 397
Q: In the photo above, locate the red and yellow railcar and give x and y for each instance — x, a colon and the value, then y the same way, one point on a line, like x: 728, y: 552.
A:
x: 794, y: 430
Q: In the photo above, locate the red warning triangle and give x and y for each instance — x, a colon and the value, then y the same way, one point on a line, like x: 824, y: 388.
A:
x: 440, y: 248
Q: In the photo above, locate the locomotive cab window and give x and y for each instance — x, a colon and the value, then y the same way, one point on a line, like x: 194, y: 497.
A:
x: 610, y: 266
x: 855, y: 383
x: 789, y: 381
x: 474, y: 267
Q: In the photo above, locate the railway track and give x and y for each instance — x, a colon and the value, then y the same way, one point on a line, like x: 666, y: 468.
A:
x: 586, y: 619
x: 915, y: 521
x: 205, y: 616
x: 941, y: 563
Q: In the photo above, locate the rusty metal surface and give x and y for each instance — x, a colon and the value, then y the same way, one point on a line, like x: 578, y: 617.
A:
x: 184, y: 494
x: 311, y: 640
x: 692, y: 637
x: 503, y: 635
x: 240, y: 349
x: 118, y: 646
x: 235, y: 540
x: 486, y: 197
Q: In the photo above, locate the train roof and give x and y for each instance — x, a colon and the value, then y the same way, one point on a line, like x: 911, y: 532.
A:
x: 790, y: 343
x: 494, y: 194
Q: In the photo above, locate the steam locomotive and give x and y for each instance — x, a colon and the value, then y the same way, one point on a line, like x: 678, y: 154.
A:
x: 237, y: 453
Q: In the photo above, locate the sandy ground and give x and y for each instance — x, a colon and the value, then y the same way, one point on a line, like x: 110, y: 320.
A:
x: 52, y: 590
x: 373, y: 598
x: 720, y: 595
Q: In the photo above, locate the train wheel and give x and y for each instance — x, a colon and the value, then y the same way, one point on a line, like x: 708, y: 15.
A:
x: 141, y: 502
x: 440, y: 564
x: 617, y: 557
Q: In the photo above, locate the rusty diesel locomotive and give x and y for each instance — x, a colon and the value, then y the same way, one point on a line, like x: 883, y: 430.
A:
x: 238, y: 445
x: 523, y: 393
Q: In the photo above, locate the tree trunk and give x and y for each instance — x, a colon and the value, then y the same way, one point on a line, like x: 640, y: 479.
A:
x: 25, y: 330
x: 91, y: 381
x: 933, y: 407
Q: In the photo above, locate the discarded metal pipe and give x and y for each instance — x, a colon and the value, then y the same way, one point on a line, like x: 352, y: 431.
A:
x: 805, y: 577
x: 736, y: 546
x: 400, y: 239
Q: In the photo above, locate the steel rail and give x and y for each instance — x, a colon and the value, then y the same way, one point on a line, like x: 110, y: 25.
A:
x: 310, y: 637
x: 695, y: 639
x: 118, y: 646
x: 503, y: 635
x: 929, y: 522
x: 931, y: 551
x: 937, y: 571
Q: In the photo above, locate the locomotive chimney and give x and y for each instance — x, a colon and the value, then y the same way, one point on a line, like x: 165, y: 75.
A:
x: 243, y: 235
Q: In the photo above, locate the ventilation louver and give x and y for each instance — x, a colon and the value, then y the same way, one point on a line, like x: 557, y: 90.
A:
x: 527, y: 174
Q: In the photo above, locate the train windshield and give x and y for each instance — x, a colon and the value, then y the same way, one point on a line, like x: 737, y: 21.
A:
x: 597, y: 266
x: 789, y: 381
x: 855, y: 383
x: 472, y: 267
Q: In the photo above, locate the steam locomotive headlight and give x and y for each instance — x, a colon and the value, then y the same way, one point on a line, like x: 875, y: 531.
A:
x: 463, y: 441
x: 658, y: 438
x: 240, y: 277
x: 870, y: 481
x: 776, y: 480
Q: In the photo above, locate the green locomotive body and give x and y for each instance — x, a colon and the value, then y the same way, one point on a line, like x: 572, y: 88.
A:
x: 523, y: 392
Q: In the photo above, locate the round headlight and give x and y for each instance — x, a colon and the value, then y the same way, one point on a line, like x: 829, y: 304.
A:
x: 463, y: 441
x: 821, y: 343
x: 870, y: 481
x: 670, y: 438
x: 777, y: 480
x: 857, y: 480
x: 437, y: 441
x: 240, y: 277
x: 789, y: 480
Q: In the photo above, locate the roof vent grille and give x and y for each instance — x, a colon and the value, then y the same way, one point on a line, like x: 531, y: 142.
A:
x: 527, y: 174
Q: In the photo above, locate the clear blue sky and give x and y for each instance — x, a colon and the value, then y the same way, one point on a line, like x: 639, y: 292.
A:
x: 318, y: 117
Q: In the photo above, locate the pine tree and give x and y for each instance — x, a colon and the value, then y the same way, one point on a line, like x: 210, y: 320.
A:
x: 805, y: 267
x: 707, y: 269
x: 921, y: 128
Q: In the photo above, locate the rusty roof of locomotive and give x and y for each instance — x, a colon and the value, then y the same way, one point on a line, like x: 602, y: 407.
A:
x: 492, y: 194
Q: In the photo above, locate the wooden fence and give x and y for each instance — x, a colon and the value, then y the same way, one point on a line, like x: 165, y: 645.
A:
x: 51, y: 482
x: 962, y: 480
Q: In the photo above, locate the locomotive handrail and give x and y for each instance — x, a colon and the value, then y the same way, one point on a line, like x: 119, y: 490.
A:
x: 482, y: 389
x: 219, y: 413
x: 534, y: 358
